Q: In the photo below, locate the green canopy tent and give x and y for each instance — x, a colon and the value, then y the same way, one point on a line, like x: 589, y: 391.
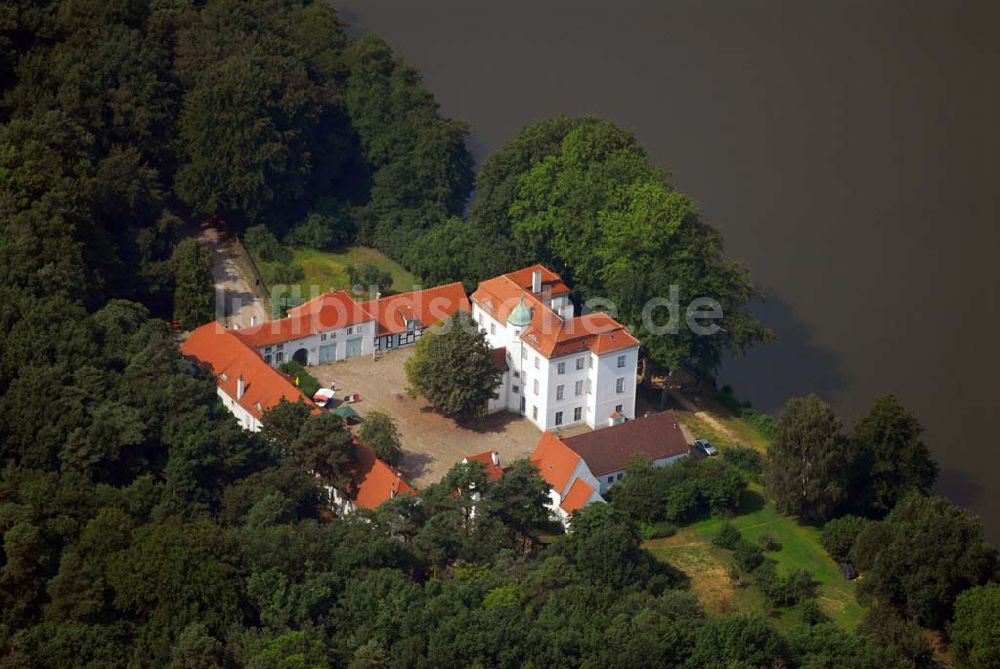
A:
x: 348, y: 414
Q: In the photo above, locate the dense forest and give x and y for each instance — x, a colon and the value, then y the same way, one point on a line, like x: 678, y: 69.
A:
x: 140, y: 526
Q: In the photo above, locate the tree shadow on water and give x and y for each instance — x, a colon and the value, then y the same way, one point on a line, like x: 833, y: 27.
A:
x: 792, y: 366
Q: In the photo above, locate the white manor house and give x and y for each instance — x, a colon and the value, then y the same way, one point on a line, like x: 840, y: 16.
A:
x: 560, y: 370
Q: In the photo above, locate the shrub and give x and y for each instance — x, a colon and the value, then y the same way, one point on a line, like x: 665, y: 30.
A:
x: 743, y: 457
x: 261, y: 242
x: 727, y: 537
x: 769, y: 543
x: 784, y: 589
x: 660, y: 530
x: 840, y: 534
x: 284, y: 273
x: 748, y: 556
x: 314, y: 232
x: 811, y: 613
x: 307, y: 383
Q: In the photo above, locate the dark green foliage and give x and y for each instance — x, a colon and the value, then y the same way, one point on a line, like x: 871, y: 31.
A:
x: 369, y: 276
x: 810, y: 464
x: 738, y: 641
x: 840, y: 534
x: 658, y: 530
x: 768, y: 542
x: 892, y: 458
x: 975, y: 633
x: 746, y: 459
x: 378, y: 430
x: 898, y: 642
x: 580, y: 195
x: 262, y: 243
x: 784, y: 589
x: 748, y: 556
x: 452, y: 368
x: 727, y: 537
x: 300, y: 377
x: 194, y: 290
x: 811, y: 612
x: 921, y: 557
x: 680, y: 492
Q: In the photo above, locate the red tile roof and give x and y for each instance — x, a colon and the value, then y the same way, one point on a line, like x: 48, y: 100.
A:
x: 329, y: 311
x: 577, y: 496
x: 609, y: 449
x: 375, y: 482
x: 549, y: 333
x: 555, y: 461
x: 428, y: 306
x: 494, y: 471
x: 230, y: 358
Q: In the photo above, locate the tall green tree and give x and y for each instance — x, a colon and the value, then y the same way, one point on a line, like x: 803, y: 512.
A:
x: 451, y: 367
x: 810, y: 463
x: 893, y: 460
x: 921, y: 557
x: 975, y: 633
x: 194, y: 289
x: 581, y: 196
x: 379, y: 431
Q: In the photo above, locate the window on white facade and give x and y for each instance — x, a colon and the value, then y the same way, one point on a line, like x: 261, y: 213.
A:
x: 350, y: 330
x: 493, y: 328
x: 619, y: 477
x: 515, y: 389
x: 558, y: 417
x: 559, y: 392
x: 621, y: 361
x: 267, y: 349
x: 322, y: 337
x: 590, y: 362
x: 561, y: 368
x: 267, y: 358
x: 534, y: 386
x: 281, y: 347
x: 524, y: 354
x: 577, y: 413
x: 538, y: 362
x: 534, y: 412
x: 611, y: 479
x: 620, y: 384
x: 618, y: 408
x: 481, y: 321
x: 279, y: 357
x: 578, y: 388
x: 581, y: 363
x: 517, y: 374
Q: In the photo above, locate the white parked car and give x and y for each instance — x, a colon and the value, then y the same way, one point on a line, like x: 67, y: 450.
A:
x: 706, y: 446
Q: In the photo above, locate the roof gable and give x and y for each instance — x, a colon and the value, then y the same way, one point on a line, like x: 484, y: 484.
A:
x: 230, y: 358
x: 610, y: 449
x: 428, y: 307
x: 577, y: 496
x: 555, y: 461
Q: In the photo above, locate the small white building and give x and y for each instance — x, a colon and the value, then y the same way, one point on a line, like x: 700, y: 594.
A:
x: 328, y: 328
x: 562, y: 369
x: 580, y: 469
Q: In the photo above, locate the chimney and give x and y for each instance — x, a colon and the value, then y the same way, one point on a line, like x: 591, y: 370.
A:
x: 241, y: 387
x: 536, y: 281
x: 496, y: 458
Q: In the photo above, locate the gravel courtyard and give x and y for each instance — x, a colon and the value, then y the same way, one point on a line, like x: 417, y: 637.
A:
x: 432, y: 443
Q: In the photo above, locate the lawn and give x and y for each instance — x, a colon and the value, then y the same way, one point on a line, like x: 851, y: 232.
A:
x: 324, y: 270
x: 691, y: 550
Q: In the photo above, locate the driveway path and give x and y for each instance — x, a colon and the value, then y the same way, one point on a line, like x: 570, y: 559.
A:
x: 241, y: 305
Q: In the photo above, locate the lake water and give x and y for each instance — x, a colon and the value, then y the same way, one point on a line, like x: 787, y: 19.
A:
x: 847, y: 150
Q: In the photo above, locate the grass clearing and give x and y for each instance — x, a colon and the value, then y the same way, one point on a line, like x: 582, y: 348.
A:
x: 691, y: 550
x: 325, y: 270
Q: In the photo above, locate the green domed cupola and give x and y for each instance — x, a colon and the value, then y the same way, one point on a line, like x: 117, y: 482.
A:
x: 520, y: 317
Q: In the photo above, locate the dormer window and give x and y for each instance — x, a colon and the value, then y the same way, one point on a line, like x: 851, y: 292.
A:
x: 256, y: 405
x: 224, y: 376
